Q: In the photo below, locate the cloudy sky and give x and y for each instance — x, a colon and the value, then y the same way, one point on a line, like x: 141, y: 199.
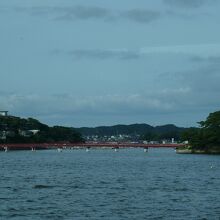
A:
x: 100, y: 62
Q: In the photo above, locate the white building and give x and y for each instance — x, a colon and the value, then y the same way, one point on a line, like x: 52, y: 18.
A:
x: 3, y: 113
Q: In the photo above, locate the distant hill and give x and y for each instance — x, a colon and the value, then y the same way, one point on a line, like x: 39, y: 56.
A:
x: 144, y: 130
x: 115, y: 130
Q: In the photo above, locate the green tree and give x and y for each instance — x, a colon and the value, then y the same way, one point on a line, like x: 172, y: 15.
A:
x: 207, y: 136
x: 211, y: 129
x: 11, y: 129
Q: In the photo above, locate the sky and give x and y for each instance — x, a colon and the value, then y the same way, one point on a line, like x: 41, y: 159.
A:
x: 99, y: 62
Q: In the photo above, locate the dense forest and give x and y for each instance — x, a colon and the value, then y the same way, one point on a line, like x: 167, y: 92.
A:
x: 19, y: 130
x: 207, y: 136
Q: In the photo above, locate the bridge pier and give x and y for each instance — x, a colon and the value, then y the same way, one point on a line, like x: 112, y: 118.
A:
x: 59, y: 149
x: 116, y: 149
x: 146, y: 149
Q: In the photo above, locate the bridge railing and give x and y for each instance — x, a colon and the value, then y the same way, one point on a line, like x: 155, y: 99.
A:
x: 24, y: 146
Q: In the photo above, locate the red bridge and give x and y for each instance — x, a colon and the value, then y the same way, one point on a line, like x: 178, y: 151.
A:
x: 37, y: 146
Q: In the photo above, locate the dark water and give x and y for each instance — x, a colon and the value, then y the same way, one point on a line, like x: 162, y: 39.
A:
x: 103, y: 184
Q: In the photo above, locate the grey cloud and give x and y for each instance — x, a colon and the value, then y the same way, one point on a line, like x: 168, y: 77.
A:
x: 99, y: 54
x: 133, y: 104
x: 166, y: 102
x: 194, y: 53
x: 68, y: 13
x: 84, y: 13
x: 141, y: 15
x: 210, y: 59
x: 203, y: 82
x: 206, y: 79
x: 3, y: 10
x: 90, y: 12
x: 185, y: 3
x: 182, y: 14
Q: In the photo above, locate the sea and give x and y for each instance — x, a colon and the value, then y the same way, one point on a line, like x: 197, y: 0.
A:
x: 129, y: 184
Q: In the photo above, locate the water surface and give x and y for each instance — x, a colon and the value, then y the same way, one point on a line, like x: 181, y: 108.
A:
x: 103, y: 184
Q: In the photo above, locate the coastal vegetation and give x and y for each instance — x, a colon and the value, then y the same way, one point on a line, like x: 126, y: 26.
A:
x: 206, y: 138
x: 165, y: 132
x: 19, y: 130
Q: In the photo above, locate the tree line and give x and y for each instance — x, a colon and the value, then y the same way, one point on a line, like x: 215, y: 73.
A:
x: 19, y: 130
x: 207, y: 136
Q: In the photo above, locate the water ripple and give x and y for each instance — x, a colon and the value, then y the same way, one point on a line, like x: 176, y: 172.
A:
x: 104, y: 185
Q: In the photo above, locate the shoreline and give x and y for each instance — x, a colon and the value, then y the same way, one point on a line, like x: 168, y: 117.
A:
x: 192, y: 151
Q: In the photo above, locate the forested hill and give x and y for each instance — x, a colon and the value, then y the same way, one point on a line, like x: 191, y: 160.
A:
x: 115, y: 130
x: 20, y: 130
x: 145, y: 130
